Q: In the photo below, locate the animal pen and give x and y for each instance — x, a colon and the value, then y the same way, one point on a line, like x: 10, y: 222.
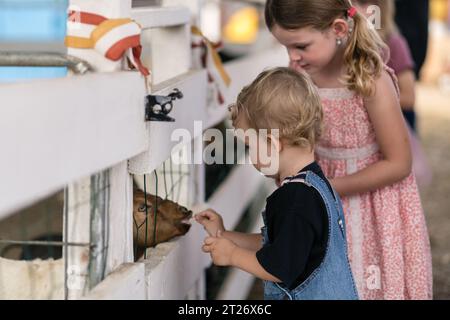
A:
x: 86, y: 140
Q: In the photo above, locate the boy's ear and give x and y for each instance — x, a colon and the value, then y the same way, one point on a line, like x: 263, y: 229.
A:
x: 275, y: 142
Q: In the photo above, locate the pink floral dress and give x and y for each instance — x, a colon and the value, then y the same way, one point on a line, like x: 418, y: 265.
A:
x: 388, y: 241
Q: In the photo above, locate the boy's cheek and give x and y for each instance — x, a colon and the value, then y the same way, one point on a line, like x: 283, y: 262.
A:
x: 270, y: 171
x: 269, y: 167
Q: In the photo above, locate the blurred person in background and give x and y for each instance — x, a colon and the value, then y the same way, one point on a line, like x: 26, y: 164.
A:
x: 412, y: 20
x: 401, y: 62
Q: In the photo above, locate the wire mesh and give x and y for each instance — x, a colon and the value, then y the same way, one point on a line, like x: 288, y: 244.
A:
x: 169, y: 182
x: 36, y: 232
x: 99, y: 227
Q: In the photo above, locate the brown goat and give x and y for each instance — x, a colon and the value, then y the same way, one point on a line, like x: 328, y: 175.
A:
x: 171, y: 219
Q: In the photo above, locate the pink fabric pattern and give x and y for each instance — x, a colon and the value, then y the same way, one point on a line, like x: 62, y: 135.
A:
x: 387, y: 236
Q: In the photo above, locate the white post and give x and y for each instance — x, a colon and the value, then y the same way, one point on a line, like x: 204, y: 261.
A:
x: 76, y: 224
x: 120, y: 242
x: 193, y: 5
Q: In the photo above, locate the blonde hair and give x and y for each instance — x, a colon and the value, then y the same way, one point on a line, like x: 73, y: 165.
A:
x: 363, y: 54
x: 282, y: 99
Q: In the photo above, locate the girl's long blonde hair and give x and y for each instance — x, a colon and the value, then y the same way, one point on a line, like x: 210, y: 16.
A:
x: 363, y: 53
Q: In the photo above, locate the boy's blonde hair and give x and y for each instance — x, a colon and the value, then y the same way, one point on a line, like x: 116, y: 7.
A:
x: 363, y: 54
x: 282, y: 99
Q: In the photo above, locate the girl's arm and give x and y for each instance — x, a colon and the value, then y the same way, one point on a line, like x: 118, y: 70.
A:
x: 407, y: 83
x: 392, y: 137
x: 245, y: 240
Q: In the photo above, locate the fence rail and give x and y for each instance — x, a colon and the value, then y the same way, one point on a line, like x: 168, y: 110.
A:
x: 55, y: 132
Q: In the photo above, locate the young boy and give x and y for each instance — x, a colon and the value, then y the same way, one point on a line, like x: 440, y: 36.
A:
x: 301, y: 252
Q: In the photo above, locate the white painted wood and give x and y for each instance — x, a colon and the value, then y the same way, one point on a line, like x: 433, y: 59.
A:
x: 236, y: 286
x: 186, y: 112
x: 120, y: 244
x: 193, y: 5
x: 56, y: 143
x: 245, y: 70
x: 198, y: 292
x: 107, y: 8
x: 211, y: 20
x: 52, y: 137
x: 55, y: 131
x: 166, y: 40
x: 166, y: 51
x: 242, y: 72
x: 78, y: 224
x: 114, y: 121
x: 235, y: 193
x: 126, y: 283
x: 152, y: 17
x: 199, y: 175
x: 31, y: 280
x: 238, y: 283
x: 172, y: 268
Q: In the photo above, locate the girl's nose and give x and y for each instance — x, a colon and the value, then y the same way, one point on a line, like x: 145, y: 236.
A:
x: 294, y: 55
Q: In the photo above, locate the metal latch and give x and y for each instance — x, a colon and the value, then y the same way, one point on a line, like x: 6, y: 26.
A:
x: 157, y: 108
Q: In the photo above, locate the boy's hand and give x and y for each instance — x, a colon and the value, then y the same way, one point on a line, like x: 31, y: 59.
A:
x: 220, y: 249
x: 211, y: 221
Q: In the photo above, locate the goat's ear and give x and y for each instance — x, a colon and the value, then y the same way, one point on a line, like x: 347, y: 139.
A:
x: 156, y: 198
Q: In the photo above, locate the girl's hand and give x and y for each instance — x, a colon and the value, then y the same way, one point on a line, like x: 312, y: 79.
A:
x: 335, y: 183
x: 211, y: 221
x: 220, y: 249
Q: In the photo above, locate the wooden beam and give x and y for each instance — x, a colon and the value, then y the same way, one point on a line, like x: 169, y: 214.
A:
x: 160, y: 17
x: 242, y: 72
x: 55, y: 131
x: 125, y: 283
x: 173, y: 268
x: 187, y: 111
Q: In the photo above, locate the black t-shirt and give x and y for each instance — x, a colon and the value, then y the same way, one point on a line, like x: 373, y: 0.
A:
x: 297, y: 227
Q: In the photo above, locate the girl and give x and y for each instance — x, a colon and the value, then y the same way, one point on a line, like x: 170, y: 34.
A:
x: 364, y: 149
x: 401, y: 62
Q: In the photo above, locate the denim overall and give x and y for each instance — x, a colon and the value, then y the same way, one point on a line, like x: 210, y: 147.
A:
x: 333, y: 279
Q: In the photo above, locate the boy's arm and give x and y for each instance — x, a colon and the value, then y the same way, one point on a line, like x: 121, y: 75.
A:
x: 248, y: 241
x: 246, y: 260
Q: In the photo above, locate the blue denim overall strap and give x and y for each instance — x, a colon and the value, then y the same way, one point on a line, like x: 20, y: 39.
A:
x: 333, y: 279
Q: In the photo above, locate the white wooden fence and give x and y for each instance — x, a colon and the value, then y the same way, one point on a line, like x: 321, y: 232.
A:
x: 57, y: 132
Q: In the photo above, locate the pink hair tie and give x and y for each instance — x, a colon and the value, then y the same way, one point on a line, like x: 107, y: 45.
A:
x: 352, y: 12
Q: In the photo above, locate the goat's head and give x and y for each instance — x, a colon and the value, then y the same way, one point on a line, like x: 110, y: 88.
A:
x: 171, y: 219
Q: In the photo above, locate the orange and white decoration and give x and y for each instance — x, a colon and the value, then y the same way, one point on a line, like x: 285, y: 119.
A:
x: 218, y: 78
x: 112, y: 38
